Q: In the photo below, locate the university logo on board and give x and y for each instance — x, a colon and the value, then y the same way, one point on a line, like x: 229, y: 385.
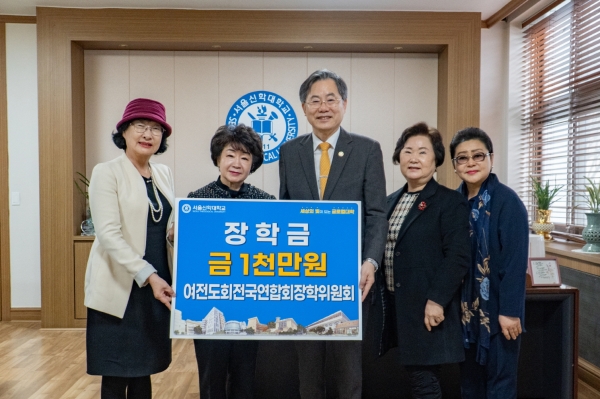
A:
x: 270, y: 115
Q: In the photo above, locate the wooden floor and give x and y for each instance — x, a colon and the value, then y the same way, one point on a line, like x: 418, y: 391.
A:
x: 50, y: 364
x: 586, y: 392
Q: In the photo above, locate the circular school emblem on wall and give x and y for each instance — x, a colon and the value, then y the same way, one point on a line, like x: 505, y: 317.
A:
x: 270, y: 115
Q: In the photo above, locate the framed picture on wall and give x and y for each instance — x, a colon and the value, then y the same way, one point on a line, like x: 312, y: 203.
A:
x: 544, y: 272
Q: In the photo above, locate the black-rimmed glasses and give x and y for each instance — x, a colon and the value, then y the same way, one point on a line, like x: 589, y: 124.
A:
x: 463, y: 159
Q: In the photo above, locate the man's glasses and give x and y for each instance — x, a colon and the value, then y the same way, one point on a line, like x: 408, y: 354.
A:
x: 316, y: 103
x: 141, y: 128
x: 463, y: 159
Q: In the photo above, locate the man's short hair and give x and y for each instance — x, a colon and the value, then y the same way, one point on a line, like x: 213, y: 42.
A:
x: 323, y: 74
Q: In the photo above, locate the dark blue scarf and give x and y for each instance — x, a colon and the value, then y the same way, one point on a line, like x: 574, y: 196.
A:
x: 476, y: 286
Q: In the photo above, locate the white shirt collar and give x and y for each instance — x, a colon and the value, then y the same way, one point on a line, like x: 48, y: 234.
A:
x: 331, y: 140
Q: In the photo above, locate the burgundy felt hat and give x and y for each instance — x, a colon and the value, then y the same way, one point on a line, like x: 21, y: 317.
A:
x: 143, y: 108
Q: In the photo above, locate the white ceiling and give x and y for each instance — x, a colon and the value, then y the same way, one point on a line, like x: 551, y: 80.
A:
x: 485, y: 7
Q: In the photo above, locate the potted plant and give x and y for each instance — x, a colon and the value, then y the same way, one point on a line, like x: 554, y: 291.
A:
x: 544, y: 196
x: 87, y: 226
x: 591, y: 232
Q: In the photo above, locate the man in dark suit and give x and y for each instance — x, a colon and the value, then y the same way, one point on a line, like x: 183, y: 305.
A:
x: 332, y: 164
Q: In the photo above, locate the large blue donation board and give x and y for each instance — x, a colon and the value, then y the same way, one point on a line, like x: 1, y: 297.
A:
x: 258, y: 269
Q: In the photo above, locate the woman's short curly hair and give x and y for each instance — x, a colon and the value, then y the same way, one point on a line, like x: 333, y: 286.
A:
x: 241, y: 138
x: 119, y: 140
x: 421, y: 129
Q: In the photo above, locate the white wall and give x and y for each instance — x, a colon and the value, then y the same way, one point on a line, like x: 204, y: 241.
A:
x: 387, y: 93
x: 494, y: 93
x: 23, y: 164
x: 201, y: 122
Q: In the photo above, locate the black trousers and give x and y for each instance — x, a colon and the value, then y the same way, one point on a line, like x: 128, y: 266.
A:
x: 498, y: 378
x: 126, y: 387
x: 425, y: 382
x: 226, y: 368
x: 347, y: 358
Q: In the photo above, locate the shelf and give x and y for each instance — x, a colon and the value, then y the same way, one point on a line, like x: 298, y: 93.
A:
x: 83, y: 238
x: 587, y: 263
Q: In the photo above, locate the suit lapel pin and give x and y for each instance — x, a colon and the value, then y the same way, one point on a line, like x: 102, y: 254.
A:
x: 341, y: 154
x: 422, y: 206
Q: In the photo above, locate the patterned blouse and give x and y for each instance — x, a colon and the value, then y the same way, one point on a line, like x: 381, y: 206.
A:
x: 403, y: 206
x: 217, y: 189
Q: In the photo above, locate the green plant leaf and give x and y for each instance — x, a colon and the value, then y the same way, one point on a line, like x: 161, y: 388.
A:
x: 85, y: 182
x: 543, y: 194
x: 593, y: 195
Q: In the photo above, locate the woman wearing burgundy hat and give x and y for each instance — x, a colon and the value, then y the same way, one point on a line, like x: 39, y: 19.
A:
x: 128, y: 279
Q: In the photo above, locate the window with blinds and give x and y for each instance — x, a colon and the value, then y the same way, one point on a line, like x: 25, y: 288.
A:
x: 560, y: 140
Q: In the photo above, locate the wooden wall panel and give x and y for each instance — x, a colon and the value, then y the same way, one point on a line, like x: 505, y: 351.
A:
x: 341, y: 64
x: 78, y: 142
x: 4, y: 195
x: 455, y: 35
x: 388, y: 91
x: 372, y: 101
x: 195, y: 79
x: 239, y: 73
x: 283, y: 74
x: 17, y: 19
x: 25, y: 314
x: 151, y: 75
x: 412, y: 105
x: 104, y: 97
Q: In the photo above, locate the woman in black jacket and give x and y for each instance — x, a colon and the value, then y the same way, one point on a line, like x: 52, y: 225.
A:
x: 426, y: 257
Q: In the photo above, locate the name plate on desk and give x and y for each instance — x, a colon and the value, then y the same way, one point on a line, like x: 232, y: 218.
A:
x: 250, y: 269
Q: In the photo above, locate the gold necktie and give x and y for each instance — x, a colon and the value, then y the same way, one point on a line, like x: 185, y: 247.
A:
x: 324, y: 166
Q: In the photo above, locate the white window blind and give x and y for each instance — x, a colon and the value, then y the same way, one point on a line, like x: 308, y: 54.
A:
x: 560, y: 140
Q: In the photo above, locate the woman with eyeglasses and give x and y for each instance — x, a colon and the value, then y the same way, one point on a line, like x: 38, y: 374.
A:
x: 493, y: 292
x: 425, y: 260
x: 128, y: 278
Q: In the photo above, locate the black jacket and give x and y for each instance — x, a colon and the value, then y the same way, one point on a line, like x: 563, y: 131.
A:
x: 431, y: 257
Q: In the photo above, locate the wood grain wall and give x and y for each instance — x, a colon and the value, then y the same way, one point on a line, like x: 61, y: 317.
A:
x: 4, y: 200
x: 63, y: 32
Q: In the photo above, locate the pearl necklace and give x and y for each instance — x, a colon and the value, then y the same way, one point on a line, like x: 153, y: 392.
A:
x: 158, y: 210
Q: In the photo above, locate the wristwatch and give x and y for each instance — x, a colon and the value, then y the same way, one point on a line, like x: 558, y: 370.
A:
x: 373, y: 262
